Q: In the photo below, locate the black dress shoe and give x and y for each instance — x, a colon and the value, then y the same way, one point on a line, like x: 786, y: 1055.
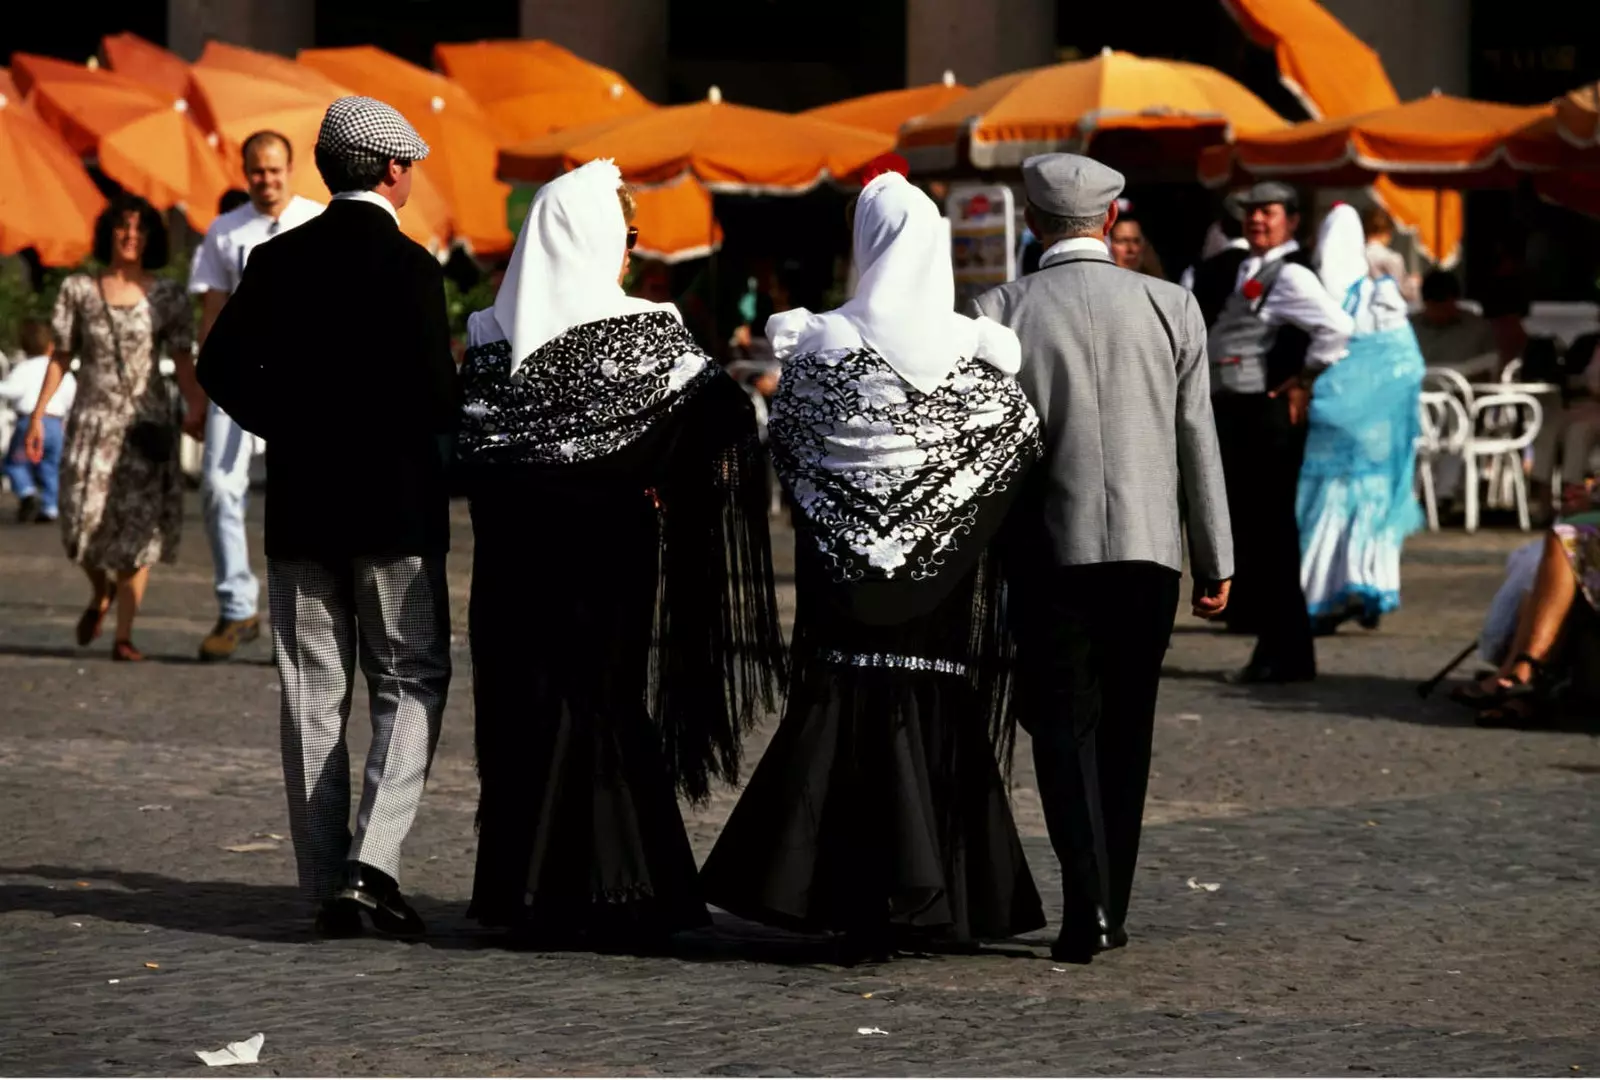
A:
x: 338, y: 919
x: 1084, y: 937
x: 379, y: 895
x: 1253, y: 674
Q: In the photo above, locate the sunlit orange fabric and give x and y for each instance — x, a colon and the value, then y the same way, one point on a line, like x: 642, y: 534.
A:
x: 675, y: 222
x: 1576, y: 113
x: 147, y: 63
x: 47, y: 201
x: 142, y: 139
x: 727, y: 147
x: 462, y: 140
x: 1066, y: 104
x: 887, y: 111
x: 531, y: 88
x: 246, y: 92
x: 1334, y: 73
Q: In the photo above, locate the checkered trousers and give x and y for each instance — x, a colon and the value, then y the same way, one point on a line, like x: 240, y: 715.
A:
x: 393, y: 615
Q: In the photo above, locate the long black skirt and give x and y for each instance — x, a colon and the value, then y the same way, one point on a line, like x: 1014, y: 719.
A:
x: 578, y: 822
x: 879, y: 805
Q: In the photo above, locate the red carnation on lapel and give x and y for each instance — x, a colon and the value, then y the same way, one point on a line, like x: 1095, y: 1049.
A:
x: 884, y: 163
x: 1252, y: 289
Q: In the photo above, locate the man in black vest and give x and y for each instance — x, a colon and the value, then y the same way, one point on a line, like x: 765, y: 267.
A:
x: 1273, y: 329
x: 336, y: 349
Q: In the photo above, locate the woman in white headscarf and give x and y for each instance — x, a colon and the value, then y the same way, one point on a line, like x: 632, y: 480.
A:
x: 623, y: 622
x: 879, y: 809
x: 1356, y: 504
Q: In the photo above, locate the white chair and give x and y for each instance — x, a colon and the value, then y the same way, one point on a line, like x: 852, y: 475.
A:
x: 1450, y: 381
x: 1445, y: 428
x: 1503, y: 425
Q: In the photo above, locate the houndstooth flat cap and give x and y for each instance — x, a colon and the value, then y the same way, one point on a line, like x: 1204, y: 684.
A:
x: 363, y: 129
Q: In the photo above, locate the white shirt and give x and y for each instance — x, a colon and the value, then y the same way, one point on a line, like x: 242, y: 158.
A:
x: 1062, y: 248
x: 1298, y: 299
x: 219, y: 261
x: 21, y: 388
x: 369, y: 197
x: 1186, y: 279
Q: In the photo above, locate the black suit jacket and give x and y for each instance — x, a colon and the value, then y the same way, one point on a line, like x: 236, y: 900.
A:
x: 336, y: 350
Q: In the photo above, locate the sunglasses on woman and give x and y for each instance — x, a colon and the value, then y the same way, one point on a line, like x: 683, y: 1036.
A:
x: 633, y: 236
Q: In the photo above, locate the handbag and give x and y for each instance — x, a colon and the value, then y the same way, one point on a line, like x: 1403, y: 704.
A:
x: 155, y: 441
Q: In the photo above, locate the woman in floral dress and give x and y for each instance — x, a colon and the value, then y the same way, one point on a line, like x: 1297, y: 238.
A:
x: 121, y: 489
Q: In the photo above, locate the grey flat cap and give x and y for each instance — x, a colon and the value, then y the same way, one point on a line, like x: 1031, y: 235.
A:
x: 1070, y: 185
x: 363, y: 129
x: 1263, y: 193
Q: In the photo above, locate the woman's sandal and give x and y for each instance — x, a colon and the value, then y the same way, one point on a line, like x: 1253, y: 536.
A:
x: 92, y: 620
x: 1474, y: 696
x: 1522, y: 710
x: 123, y: 651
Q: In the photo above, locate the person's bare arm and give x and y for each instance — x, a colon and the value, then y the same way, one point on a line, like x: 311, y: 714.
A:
x: 33, y: 446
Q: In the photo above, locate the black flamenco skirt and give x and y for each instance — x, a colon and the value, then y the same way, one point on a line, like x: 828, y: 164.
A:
x: 579, y: 831
x: 877, y: 807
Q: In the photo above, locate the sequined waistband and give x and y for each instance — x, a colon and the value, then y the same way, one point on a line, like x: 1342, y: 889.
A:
x: 892, y: 660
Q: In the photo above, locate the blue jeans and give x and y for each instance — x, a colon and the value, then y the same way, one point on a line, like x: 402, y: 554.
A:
x: 43, y: 479
x: 224, y: 487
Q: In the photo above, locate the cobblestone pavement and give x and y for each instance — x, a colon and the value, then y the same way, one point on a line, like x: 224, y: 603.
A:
x: 1397, y: 891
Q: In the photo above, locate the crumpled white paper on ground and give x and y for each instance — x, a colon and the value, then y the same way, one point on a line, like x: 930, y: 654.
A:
x: 237, y: 1053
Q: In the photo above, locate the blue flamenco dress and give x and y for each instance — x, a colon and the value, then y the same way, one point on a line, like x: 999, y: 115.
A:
x: 1356, y: 502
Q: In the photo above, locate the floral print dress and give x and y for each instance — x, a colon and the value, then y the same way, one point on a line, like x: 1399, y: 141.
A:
x: 120, y: 511
x: 1580, y: 540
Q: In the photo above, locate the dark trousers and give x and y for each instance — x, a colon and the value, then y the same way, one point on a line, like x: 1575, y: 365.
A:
x: 1261, y: 457
x: 1091, y: 641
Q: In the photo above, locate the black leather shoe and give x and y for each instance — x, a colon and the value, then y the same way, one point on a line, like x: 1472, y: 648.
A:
x: 379, y: 894
x: 1254, y: 674
x: 338, y: 919
x: 1084, y: 937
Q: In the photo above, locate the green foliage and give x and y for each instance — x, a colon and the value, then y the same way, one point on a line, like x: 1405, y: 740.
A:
x: 18, y: 301
x: 460, y: 304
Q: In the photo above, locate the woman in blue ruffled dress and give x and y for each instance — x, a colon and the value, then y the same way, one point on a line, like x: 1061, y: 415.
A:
x: 1356, y: 504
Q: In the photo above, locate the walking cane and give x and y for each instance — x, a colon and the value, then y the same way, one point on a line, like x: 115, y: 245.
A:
x: 1424, y: 689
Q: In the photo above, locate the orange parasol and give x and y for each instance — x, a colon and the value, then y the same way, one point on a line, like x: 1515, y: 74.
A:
x: 142, y: 139
x: 146, y: 63
x: 886, y: 112
x: 463, y: 140
x: 1577, y: 115
x: 675, y: 222
x: 727, y: 147
x: 247, y: 91
x: 1436, y: 141
x: 47, y: 200
x: 1335, y: 73
x: 1067, y: 106
x: 531, y: 88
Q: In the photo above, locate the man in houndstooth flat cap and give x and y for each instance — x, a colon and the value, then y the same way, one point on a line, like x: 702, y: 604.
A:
x: 336, y: 348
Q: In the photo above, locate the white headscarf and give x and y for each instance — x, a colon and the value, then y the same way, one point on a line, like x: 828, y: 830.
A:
x: 564, y: 269
x: 1341, y: 251
x: 903, y: 307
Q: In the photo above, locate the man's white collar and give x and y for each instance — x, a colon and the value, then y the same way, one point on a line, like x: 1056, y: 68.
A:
x: 1062, y: 248
x: 370, y: 197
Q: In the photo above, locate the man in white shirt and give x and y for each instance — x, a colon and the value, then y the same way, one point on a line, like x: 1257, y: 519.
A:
x: 1273, y: 329
x: 225, y: 466
x: 35, y: 486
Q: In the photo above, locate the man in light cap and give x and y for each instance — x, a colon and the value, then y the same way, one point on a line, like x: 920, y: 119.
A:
x: 1273, y: 328
x: 336, y: 349
x: 1114, y: 362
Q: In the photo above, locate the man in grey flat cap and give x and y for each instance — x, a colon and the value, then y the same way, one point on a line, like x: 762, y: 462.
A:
x: 1114, y: 361
x: 1272, y: 329
x: 336, y: 348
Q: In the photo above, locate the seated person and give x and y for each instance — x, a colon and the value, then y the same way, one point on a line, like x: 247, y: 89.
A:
x: 1449, y: 335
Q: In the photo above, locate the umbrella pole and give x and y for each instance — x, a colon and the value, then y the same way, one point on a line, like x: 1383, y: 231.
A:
x: 1438, y: 227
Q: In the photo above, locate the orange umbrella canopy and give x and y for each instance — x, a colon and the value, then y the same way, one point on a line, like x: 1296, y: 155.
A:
x: 675, y: 222
x: 146, y: 63
x: 1438, y: 138
x: 531, y: 88
x: 47, y: 201
x: 1577, y: 114
x: 726, y: 147
x: 143, y: 140
x: 1064, y: 106
x: 246, y: 92
x: 886, y: 112
x: 463, y: 141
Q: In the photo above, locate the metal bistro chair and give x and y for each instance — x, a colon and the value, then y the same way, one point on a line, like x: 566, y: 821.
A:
x: 1445, y: 429
x: 1502, y: 427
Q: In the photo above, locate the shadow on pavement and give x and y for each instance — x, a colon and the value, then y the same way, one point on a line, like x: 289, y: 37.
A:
x: 68, y: 652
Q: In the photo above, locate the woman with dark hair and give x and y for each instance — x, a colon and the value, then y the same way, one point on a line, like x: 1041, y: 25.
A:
x: 623, y: 623
x: 1130, y: 248
x: 121, y: 490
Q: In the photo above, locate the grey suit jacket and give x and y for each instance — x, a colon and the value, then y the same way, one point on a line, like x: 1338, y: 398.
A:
x: 1115, y: 364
